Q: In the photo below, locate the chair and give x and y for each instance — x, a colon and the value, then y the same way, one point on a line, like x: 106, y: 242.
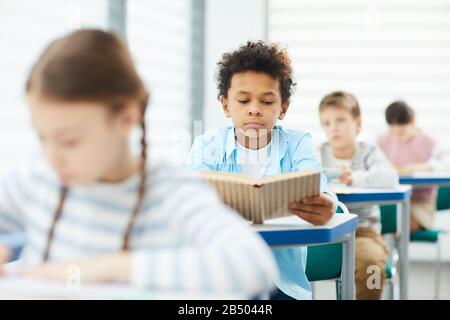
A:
x: 389, y: 226
x: 388, y: 215
x: 324, y: 262
x: 443, y: 199
x: 433, y: 236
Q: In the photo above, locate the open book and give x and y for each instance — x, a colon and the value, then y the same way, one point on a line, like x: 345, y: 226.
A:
x: 266, y: 198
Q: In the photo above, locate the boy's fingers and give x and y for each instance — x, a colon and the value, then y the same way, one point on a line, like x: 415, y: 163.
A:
x: 311, y: 217
x: 314, y: 209
x: 320, y: 200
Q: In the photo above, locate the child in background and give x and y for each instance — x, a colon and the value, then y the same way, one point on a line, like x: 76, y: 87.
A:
x: 362, y: 165
x: 409, y: 150
x: 95, y: 205
x: 255, y: 85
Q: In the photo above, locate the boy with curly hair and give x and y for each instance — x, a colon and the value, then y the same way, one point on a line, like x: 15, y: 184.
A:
x: 255, y: 85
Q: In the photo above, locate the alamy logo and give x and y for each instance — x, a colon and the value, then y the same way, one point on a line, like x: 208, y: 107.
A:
x: 374, y: 280
x: 73, y: 277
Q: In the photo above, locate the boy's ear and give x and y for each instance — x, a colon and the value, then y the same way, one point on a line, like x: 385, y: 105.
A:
x: 284, y: 108
x: 224, y: 102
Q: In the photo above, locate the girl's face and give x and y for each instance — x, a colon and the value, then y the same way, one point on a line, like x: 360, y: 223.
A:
x: 254, y: 102
x: 402, y: 132
x: 83, y: 141
x: 340, y: 127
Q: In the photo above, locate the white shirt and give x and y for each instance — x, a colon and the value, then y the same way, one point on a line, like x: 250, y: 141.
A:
x: 253, y: 163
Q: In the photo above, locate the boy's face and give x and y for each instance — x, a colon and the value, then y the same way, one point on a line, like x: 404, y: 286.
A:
x: 82, y: 141
x: 402, y: 132
x: 340, y: 127
x: 254, y: 102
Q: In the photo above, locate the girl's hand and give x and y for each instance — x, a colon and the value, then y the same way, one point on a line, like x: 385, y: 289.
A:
x: 114, y: 267
x: 347, y: 176
x: 317, y: 210
x: 4, y: 258
x: 5, y: 253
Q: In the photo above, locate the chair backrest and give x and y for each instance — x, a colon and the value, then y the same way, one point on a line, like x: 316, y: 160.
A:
x: 388, y: 218
x: 324, y: 262
x: 443, y: 198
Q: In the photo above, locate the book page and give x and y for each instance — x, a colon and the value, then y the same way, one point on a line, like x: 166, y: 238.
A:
x: 227, y: 176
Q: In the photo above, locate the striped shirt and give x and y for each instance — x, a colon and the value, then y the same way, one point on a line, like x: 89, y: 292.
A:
x: 371, y: 169
x: 184, y: 238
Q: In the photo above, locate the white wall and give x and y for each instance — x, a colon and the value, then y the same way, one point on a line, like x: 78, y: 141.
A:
x: 380, y: 50
x: 228, y: 24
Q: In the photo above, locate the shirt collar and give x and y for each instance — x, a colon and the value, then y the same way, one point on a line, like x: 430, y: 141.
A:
x: 279, y: 142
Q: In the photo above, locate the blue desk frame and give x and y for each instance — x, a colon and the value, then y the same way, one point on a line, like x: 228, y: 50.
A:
x: 425, y: 181
x: 400, y: 196
x: 292, y: 232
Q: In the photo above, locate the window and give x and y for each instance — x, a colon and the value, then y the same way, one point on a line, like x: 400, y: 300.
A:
x: 26, y: 28
x: 159, y: 35
x: 379, y: 50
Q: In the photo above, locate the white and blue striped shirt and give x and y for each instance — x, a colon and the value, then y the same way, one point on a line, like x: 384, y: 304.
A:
x: 184, y: 238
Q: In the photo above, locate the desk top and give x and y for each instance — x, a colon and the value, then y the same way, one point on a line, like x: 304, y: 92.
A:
x: 352, y: 195
x: 426, y: 178
x: 24, y: 289
x: 292, y: 230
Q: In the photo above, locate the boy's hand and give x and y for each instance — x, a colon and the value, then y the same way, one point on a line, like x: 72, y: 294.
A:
x: 5, y: 253
x: 347, y: 176
x: 317, y: 210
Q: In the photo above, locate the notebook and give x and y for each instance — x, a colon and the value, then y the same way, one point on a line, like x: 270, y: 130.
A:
x: 266, y: 198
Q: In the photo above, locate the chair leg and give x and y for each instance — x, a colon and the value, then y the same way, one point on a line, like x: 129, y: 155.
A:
x: 338, y: 289
x: 313, y: 290
x: 391, y: 289
x: 437, y: 270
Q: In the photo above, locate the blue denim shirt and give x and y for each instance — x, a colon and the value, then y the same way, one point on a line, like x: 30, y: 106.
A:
x: 290, y: 151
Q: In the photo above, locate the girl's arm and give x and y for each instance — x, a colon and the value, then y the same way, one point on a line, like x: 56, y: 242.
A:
x: 12, y: 201
x: 12, y: 237
x: 11, y: 245
x: 216, y: 251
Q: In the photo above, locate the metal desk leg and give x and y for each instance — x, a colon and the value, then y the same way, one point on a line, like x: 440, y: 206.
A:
x: 403, y: 249
x: 348, y: 268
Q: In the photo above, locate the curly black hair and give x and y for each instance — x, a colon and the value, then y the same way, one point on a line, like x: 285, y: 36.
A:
x: 259, y: 57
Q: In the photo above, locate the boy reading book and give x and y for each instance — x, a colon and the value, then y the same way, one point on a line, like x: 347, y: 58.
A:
x: 255, y: 85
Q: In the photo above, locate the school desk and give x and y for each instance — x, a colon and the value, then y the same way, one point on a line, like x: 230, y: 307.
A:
x: 294, y: 232
x: 401, y: 196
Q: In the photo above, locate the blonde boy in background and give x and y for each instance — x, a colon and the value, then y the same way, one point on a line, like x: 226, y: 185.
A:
x: 361, y: 165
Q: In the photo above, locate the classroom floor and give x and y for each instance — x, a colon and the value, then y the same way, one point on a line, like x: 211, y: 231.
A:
x: 421, y: 279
